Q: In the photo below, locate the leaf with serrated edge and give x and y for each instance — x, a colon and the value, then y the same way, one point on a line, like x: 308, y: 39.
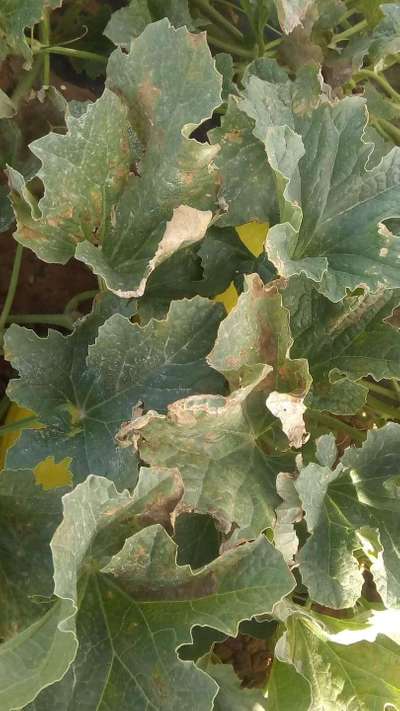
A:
x: 84, y: 386
x: 134, y: 610
x: 259, y: 327
x: 343, y: 342
x: 29, y: 517
x: 332, y: 208
x: 14, y: 18
x: 130, y: 21
x: 346, y: 509
x: 342, y: 675
x: 247, y: 190
x: 213, y: 441
x: 83, y: 173
x: 164, y: 107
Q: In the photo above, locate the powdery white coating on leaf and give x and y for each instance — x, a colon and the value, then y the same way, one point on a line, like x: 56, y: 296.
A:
x: 290, y: 410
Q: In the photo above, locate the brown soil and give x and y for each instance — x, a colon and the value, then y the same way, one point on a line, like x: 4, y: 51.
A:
x: 42, y: 288
x: 250, y: 657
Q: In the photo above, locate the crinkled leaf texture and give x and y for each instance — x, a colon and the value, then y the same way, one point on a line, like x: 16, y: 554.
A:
x: 332, y: 205
x: 124, y: 211
x: 347, y: 508
x: 343, y: 342
x: 127, y: 606
x: 130, y: 21
x: 216, y: 443
x: 84, y: 386
x: 346, y: 663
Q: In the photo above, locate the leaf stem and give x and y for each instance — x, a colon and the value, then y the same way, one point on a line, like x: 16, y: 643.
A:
x: 61, y: 320
x: 76, y: 300
x: 230, y: 47
x: 383, y: 83
x: 337, y: 425
x: 381, y: 390
x: 218, y: 18
x: 382, y: 408
x: 44, y: 33
x: 353, y: 30
x: 391, y: 130
x: 273, y: 43
x: 26, y: 82
x: 18, y: 424
x: 396, y: 387
x: 74, y: 53
x: 12, y: 287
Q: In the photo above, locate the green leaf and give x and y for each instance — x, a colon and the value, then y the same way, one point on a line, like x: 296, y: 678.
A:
x: 197, y: 539
x: 127, y: 214
x: 259, y: 327
x: 83, y: 173
x: 84, y: 386
x: 29, y: 517
x: 332, y: 209
x: 341, y: 676
x: 7, y: 108
x: 231, y: 696
x: 130, y: 21
x: 215, y: 443
x: 377, y: 43
x: 134, y: 610
x: 14, y: 18
x: 247, y: 192
x: 169, y: 204
x: 354, y: 506
x: 343, y: 342
x: 287, y: 689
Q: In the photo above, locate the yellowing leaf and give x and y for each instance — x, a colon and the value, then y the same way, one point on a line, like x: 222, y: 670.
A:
x: 50, y: 474
x: 14, y: 414
x: 253, y: 236
x: 228, y: 297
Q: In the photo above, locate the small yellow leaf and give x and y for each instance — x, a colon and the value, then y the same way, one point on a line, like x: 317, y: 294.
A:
x: 253, y: 236
x: 228, y: 297
x: 50, y: 474
x: 15, y: 413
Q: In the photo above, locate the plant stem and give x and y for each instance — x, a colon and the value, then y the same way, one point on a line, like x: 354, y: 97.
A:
x: 61, y: 320
x: 382, y: 408
x: 74, y: 53
x: 274, y: 43
x: 383, y: 83
x: 44, y: 33
x: 358, y: 27
x: 230, y: 47
x: 218, y: 18
x: 337, y: 425
x: 396, y: 387
x: 391, y: 130
x: 26, y: 82
x: 18, y: 424
x: 12, y: 287
x: 76, y: 300
x: 381, y: 390
x: 376, y: 124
